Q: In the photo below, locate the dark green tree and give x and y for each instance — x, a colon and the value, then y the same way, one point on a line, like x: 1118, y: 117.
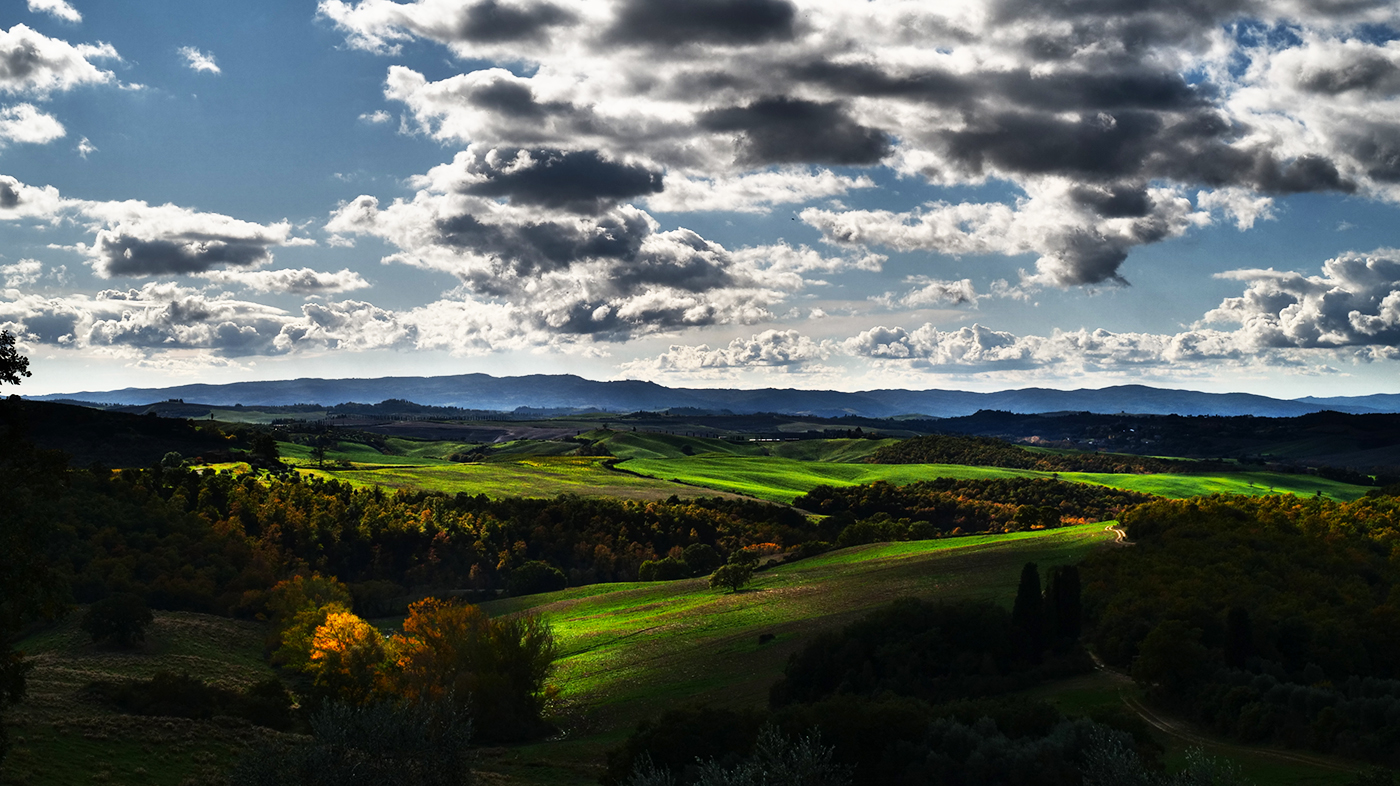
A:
x: 120, y: 619
x: 1028, y: 613
x: 702, y: 559
x: 736, y: 573
x: 13, y: 365
x: 535, y: 577
x: 1239, y: 637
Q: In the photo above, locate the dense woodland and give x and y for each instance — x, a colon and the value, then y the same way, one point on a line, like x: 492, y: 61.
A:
x: 989, y: 452
x: 1271, y: 619
x: 882, y: 511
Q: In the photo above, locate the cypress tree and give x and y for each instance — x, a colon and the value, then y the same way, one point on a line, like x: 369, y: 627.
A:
x: 1027, y: 614
x: 1063, y: 608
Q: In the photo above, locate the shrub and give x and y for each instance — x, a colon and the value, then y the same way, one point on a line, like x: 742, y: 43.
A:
x: 667, y: 569
x: 535, y: 577
x: 119, y: 619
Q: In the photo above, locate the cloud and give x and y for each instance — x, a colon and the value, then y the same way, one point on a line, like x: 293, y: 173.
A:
x: 1100, y: 120
x: 752, y: 193
x: 726, y: 22
x: 933, y: 292
x: 1354, y: 303
x: 381, y: 26
x: 85, y: 148
x: 575, y: 181
x: 56, y: 8
x: 771, y: 348
x: 33, y: 64
x: 22, y: 273
x: 137, y: 239
x: 196, y: 60
x: 377, y: 117
x: 24, y: 123
x: 302, y: 281
x: 1083, y: 234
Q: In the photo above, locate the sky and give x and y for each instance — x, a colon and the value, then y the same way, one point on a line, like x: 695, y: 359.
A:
x: 964, y: 194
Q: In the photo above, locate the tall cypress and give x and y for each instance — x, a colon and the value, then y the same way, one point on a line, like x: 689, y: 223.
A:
x: 1028, y: 613
x: 1063, y: 608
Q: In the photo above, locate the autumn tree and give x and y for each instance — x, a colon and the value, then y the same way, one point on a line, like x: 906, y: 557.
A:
x: 500, y: 666
x: 348, y: 659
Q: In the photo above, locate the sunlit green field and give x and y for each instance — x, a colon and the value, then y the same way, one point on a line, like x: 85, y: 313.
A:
x: 632, y: 649
x: 783, y: 480
x: 539, y: 476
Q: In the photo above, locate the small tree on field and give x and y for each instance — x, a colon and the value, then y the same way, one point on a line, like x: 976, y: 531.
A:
x: 119, y: 619
x: 735, y: 574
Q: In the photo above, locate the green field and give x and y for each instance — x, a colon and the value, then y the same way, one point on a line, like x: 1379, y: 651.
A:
x: 539, y: 476
x: 783, y: 480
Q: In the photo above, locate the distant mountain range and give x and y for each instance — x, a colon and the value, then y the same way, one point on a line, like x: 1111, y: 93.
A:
x: 568, y: 392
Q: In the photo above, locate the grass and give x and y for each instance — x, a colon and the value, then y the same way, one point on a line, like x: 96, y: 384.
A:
x: 633, y: 650
x: 784, y: 479
x: 537, y: 476
x: 61, y: 739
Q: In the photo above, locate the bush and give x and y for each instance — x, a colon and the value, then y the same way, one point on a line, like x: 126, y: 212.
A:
x: 119, y: 619
x: 535, y: 577
x: 668, y: 569
x: 679, y: 739
x: 386, y: 744
x: 171, y: 695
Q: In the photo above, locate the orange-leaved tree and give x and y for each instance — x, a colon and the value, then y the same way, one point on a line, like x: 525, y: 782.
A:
x: 348, y: 659
x: 500, y: 666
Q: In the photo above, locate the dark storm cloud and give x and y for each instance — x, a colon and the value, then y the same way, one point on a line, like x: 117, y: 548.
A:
x: 1378, y: 149
x: 794, y: 131
x: 545, y: 246
x: 679, y: 22
x: 1138, y: 145
x: 1115, y: 201
x: 578, y: 181
x: 492, y: 22
x: 118, y: 254
x: 1368, y: 72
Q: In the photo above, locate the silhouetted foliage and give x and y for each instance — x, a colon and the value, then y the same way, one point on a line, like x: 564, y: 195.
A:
x: 382, y: 744
x: 120, y: 619
x: 168, y: 694
x: 13, y: 365
x: 535, y: 577
x: 1272, y: 619
x: 990, y: 452
x: 1028, y: 615
x: 883, y: 511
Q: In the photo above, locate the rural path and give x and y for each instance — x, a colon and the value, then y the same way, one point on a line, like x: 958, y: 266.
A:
x: 1120, y: 539
x: 1185, y: 733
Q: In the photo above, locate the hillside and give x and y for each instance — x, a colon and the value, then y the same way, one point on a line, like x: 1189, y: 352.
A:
x: 571, y: 393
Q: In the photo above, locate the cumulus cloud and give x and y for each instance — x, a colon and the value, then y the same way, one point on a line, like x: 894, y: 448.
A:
x: 56, y: 8
x: 932, y: 292
x: 771, y: 348
x: 33, y: 64
x: 196, y: 60
x: 21, y: 273
x: 1354, y: 303
x: 137, y: 239
x: 1104, y: 118
x: 302, y: 281
x: 24, y: 123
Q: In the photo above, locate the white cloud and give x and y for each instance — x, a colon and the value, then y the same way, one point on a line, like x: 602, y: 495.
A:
x: 25, y: 123
x: 377, y: 117
x: 757, y: 192
x: 22, y: 273
x: 85, y: 148
x: 199, y: 61
x: 932, y: 292
x: 136, y: 239
x: 57, y: 8
x: 303, y: 281
x: 33, y: 64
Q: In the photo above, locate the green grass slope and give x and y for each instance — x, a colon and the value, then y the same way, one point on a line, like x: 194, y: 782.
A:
x: 631, y: 650
x: 539, y: 476
x: 783, y: 479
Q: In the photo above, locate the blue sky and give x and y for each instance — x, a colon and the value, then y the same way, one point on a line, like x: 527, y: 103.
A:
x: 981, y: 195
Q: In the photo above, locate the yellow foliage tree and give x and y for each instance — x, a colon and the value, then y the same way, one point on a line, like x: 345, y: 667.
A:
x: 348, y: 659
